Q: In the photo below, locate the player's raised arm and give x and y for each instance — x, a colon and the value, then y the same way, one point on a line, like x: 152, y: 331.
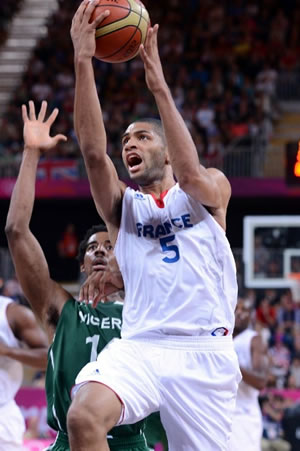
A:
x: 211, y: 188
x: 106, y: 188
x: 29, y: 260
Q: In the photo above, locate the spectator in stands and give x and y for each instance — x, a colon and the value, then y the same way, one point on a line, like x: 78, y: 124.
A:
x: 288, y: 314
x: 290, y: 425
x: 261, y: 257
x: 273, y: 407
x: 280, y: 359
x: 266, y: 315
x: 220, y: 58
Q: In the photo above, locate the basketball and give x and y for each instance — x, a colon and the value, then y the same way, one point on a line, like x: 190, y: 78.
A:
x: 120, y: 35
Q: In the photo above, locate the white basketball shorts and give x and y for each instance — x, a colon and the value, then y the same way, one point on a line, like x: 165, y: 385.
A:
x: 247, y: 431
x: 192, y: 381
x: 12, y: 427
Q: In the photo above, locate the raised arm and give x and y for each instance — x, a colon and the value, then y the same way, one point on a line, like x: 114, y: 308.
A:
x: 106, y: 188
x: 208, y: 186
x: 26, y: 329
x: 29, y: 260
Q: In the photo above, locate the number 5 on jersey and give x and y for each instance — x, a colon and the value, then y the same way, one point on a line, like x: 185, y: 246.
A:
x: 167, y: 247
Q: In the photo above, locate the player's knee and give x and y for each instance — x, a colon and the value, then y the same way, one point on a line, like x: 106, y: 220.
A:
x: 79, y: 418
x: 91, y: 411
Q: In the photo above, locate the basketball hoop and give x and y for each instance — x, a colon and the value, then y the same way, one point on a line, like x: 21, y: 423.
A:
x: 295, y: 285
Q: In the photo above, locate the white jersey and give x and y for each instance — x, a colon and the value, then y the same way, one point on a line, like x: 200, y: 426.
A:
x: 178, y: 269
x: 247, y: 397
x: 11, y: 371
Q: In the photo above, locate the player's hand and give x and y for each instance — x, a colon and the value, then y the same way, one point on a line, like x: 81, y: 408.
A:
x: 153, y: 69
x: 100, y: 284
x: 36, y: 130
x: 83, y: 32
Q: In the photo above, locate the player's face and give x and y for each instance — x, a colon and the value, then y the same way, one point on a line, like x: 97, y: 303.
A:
x: 143, y: 153
x: 242, y: 315
x: 98, y: 250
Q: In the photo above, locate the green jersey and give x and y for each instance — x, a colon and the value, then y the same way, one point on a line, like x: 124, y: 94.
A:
x: 155, y: 432
x: 81, y: 333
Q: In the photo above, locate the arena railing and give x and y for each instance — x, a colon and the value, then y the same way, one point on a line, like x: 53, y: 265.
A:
x: 239, y: 160
x: 288, y: 85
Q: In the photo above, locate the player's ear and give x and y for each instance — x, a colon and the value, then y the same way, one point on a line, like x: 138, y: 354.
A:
x: 82, y: 269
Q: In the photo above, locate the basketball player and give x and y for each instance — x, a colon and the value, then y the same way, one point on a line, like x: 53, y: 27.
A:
x: 76, y: 331
x: 21, y: 342
x: 176, y: 354
x: 253, y: 360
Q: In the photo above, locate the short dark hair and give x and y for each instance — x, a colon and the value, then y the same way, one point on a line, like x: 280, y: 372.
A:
x: 83, y: 244
x: 157, y: 125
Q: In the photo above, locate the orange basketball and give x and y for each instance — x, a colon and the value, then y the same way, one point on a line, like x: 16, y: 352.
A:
x: 120, y: 35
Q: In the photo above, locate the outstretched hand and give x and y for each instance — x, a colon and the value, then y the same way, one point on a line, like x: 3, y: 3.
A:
x: 36, y: 131
x: 100, y: 284
x: 83, y: 29
x: 153, y: 69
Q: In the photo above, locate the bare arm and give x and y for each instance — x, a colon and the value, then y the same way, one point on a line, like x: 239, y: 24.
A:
x: 210, y: 187
x: 106, y: 188
x: 99, y: 285
x: 26, y: 329
x: 29, y: 260
x: 257, y: 378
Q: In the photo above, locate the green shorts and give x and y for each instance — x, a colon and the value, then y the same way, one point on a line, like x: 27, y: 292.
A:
x: 133, y: 443
x: 130, y: 443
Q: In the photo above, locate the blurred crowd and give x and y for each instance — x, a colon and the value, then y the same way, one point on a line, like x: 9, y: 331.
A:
x: 277, y: 318
x: 7, y: 10
x: 221, y: 60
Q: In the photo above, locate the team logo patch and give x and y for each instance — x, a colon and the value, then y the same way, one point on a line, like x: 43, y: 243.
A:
x: 220, y: 332
x: 139, y: 196
x: 93, y: 372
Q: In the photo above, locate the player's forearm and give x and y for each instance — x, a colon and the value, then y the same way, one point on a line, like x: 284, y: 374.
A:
x: 181, y: 148
x: 192, y: 177
x: 88, y: 120
x: 36, y: 358
x: 22, y: 200
x: 254, y: 379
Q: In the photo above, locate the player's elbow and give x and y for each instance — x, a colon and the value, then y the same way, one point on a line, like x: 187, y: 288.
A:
x: 201, y: 188
x: 187, y: 180
x: 260, y: 382
x: 44, y: 359
x: 92, y: 157
x: 13, y: 231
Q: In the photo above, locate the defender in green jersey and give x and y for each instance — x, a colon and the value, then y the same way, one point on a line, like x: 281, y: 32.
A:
x: 77, y: 332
